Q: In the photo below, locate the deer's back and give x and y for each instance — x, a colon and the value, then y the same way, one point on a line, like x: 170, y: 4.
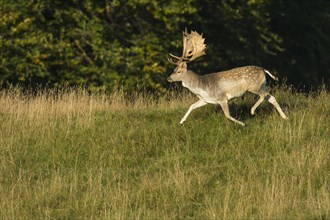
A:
x: 235, y: 82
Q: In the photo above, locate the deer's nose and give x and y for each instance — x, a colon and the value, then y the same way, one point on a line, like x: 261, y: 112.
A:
x: 169, y: 79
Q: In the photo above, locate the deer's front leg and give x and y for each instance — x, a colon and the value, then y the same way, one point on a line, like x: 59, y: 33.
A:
x: 197, y: 104
x: 225, y: 108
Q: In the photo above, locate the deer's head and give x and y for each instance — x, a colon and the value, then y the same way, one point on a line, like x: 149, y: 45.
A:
x: 193, y: 47
x: 178, y: 73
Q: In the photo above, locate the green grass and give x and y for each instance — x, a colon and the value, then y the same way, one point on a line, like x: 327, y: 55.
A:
x: 68, y: 155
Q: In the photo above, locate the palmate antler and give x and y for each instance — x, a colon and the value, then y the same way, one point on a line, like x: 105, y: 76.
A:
x: 193, y: 47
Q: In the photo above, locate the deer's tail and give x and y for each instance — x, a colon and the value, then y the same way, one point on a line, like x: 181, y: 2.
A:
x: 271, y: 75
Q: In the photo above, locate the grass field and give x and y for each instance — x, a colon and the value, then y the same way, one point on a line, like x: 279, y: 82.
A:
x: 69, y: 154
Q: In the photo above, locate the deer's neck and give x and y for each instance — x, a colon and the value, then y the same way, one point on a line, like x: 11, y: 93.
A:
x: 191, y: 80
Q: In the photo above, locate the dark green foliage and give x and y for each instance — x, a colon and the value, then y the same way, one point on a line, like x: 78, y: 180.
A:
x: 305, y: 29
x: 116, y: 43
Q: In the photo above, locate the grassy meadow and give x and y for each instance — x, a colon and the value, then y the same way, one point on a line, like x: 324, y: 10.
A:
x: 70, y: 154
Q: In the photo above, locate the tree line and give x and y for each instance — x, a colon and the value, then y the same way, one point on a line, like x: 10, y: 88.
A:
x: 107, y: 44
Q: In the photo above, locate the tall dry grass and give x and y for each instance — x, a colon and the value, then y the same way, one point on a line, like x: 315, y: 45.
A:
x: 72, y: 154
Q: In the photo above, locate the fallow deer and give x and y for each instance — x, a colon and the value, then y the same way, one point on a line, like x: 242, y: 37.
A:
x: 219, y: 87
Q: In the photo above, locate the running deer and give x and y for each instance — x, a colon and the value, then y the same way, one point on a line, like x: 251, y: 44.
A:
x: 219, y: 87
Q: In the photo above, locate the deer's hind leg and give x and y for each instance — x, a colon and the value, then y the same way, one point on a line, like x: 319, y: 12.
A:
x: 263, y: 94
x: 261, y: 91
x: 260, y: 100
x: 271, y: 99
